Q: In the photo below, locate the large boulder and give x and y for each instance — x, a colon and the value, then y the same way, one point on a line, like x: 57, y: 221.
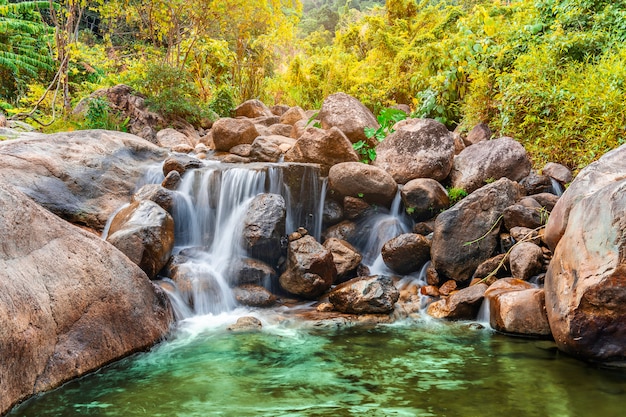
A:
x: 228, y: 133
x: 82, y: 176
x: 345, y: 112
x: 467, y: 234
x: 144, y: 232
x: 69, y: 302
x: 345, y: 257
x: 424, y: 198
x: 326, y: 148
x: 264, y: 227
x: 253, y: 109
x: 356, y: 179
x: 586, y: 281
x: 310, y: 268
x: 365, y: 295
x: 406, y: 253
x: 419, y: 148
x: 517, y: 307
x: 487, y: 161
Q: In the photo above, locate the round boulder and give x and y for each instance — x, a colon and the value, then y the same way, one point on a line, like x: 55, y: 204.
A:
x: 419, y: 148
x: 326, y: 148
x: 424, y: 198
x: 356, y: 179
x: 406, y: 253
x: 252, y: 109
x: 349, y: 115
x: 365, y: 295
x: 228, y: 133
x: 264, y: 226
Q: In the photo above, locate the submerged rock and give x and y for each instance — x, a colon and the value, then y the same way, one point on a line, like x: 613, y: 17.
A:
x: 310, y: 268
x: 70, y: 302
x: 365, y: 295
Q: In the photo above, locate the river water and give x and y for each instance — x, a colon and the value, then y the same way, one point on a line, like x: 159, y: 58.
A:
x: 417, y: 367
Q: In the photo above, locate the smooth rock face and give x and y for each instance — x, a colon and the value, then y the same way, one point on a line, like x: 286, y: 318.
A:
x: 526, y: 260
x: 365, y: 295
x: 326, y: 148
x: 406, y: 253
x: 345, y: 257
x: 264, y: 226
x: 424, y: 198
x: 559, y: 172
x: 517, y: 307
x: 229, y: 132
x: 349, y: 115
x: 419, y: 148
x: 607, y: 170
x: 310, y: 268
x: 518, y: 215
x: 251, y: 271
x: 254, y: 296
x: 69, y: 302
x: 170, y: 138
x: 252, y: 109
x: 180, y: 163
x: 489, y: 160
x: 472, y: 218
x: 82, y: 176
x: 586, y: 281
x: 460, y: 305
x: 157, y: 193
x: 144, y: 232
x: 356, y: 179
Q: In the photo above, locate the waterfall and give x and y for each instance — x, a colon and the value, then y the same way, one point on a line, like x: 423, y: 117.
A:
x: 209, y: 210
x: 557, y: 187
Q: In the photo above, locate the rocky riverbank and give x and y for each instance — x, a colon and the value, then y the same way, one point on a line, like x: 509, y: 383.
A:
x: 547, y: 266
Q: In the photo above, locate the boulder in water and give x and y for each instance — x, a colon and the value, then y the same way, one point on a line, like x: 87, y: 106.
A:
x: 144, y: 232
x: 254, y: 296
x: 264, y: 227
x: 310, y: 268
x: 406, y: 253
x: 460, y: 305
x: 345, y: 257
x: 365, y: 295
x: 424, y: 198
x: 70, y: 302
x: 158, y: 194
x: 180, y: 163
x: 246, y: 324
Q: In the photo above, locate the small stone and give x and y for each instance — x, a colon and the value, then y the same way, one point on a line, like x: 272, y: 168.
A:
x: 447, y: 287
x: 246, y: 324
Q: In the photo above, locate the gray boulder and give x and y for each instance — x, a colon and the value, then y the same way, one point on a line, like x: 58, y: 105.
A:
x: 264, y: 226
x: 406, y: 253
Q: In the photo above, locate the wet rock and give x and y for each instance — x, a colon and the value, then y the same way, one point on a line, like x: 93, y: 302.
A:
x: 585, y: 286
x: 345, y: 230
x: 326, y: 148
x: 228, y: 133
x: 432, y: 276
x: 519, y: 215
x: 155, y: 192
x: 291, y: 116
x: 424, y: 198
x: 479, y: 133
x: 144, y: 232
x: 332, y: 212
x: 487, y: 161
x: 356, y: 179
x: 557, y: 171
x: 270, y: 148
x: 355, y: 208
x: 430, y: 291
x: 517, y: 307
x: 419, y: 148
x: 460, y: 305
x: 345, y: 257
x: 81, y: 176
x: 475, y: 218
x: 447, y: 287
x: 310, y: 269
x: 264, y: 226
x: 169, y: 138
x: 180, y: 163
x: 526, y: 260
x: 365, y: 295
x: 406, y: 253
x: 252, y: 271
x: 70, y: 302
x: 254, y: 296
x: 252, y: 108
x: 349, y: 115
x: 246, y: 324
x: 536, y: 184
x: 424, y: 228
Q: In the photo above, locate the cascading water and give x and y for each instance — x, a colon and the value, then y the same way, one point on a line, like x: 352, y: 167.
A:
x: 209, y: 212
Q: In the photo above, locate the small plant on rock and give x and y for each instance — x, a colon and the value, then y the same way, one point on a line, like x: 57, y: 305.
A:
x: 386, y: 119
x: 455, y: 195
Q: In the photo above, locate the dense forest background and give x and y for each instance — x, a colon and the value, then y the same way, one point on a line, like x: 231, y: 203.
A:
x: 549, y: 73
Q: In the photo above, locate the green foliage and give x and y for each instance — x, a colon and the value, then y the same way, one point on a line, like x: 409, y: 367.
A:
x: 223, y: 103
x: 455, y: 195
x: 387, y: 118
x: 101, y: 116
